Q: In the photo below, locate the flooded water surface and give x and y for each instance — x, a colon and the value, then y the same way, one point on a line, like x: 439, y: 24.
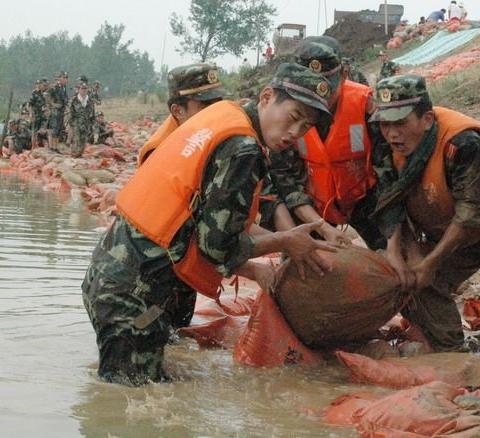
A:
x: 48, y: 381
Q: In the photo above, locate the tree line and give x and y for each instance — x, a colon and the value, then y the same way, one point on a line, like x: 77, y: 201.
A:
x: 108, y: 59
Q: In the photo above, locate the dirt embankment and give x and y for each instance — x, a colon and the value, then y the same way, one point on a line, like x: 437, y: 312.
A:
x: 355, y: 36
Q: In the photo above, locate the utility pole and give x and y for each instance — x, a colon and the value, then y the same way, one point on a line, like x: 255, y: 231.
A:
x: 318, y: 17
x: 326, y: 20
x: 386, y: 17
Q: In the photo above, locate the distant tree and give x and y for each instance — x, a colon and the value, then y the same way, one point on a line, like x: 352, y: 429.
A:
x: 25, y: 58
x: 223, y: 26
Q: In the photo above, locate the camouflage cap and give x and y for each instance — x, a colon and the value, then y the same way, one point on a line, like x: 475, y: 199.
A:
x: 321, y: 54
x: 100, y: 114
x: 397, y: 96
x: 62, y: 74
x: 303, y: 85
x: 43, y: 81
x: 195, y: 81
x: 82, y: 78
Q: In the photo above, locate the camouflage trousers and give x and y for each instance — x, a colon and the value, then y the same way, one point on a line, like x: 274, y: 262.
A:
x: 433, y: 309
x: 80, y: 136
x: 57, y: 122
x: 131, y: 345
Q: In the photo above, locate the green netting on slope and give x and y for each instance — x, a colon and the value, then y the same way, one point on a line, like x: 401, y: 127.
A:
x: 440, y: 44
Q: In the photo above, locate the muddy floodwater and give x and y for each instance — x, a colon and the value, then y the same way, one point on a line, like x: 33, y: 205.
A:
x: 48, y: 382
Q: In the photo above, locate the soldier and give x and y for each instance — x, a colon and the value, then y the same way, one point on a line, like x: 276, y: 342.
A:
x: 389, y: 68
x: 43, y: 135
x: 101, y: 130
x: 81, y: 119
x: 36, y: 104
x: 183, y: 226
x: 190, y: 89
x: 58, y: 100
x: 429, y: 203
x: 23, y: 137
x: 330, y: 174
x: 95, y: 93
x: 352, y: 72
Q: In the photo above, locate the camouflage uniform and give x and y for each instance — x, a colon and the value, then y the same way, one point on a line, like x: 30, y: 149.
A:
x: 289, y: 173
x: 433, y: 309
x: 21, y: 136
x: 129, y: 273
x: 81, y: 120
x: 101, y: 130
x: 94, y: 93
x: 58, y: 100
x: 388, y: 69
x: 37, y: 102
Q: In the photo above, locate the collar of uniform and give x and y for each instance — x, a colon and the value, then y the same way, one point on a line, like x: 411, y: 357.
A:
x: 252, y: 112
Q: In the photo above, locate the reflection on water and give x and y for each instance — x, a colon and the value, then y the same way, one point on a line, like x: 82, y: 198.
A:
x: 48, y: 382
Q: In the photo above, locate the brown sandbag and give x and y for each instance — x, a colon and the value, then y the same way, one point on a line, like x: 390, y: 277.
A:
x: 348, y: 304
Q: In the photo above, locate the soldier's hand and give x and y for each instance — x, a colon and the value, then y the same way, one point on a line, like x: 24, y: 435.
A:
x: 303, y: 249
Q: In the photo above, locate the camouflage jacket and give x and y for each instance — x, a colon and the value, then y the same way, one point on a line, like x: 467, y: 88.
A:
x: 388, y: 69
x: 58, y: 97
x: 229, y: 181
x: 37, y: 101
x: 81, y: 115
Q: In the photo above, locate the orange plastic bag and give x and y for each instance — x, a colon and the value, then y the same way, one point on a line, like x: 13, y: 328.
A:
x: 424, y: 411
x: 471, y: 312
x: 219, y: 324
x: 340, y: 411
x: 268, y: 341
x: 460, y: 369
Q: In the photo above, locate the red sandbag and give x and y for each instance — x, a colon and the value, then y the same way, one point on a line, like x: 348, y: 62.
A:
x: 424, y: 411
x: 471, y: 312
x: 219, y: 325
x: 268, y: 341
x: 348, y: 304
x: 460, y: 369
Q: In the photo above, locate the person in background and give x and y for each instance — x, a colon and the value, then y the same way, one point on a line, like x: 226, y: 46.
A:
x: 102, y: 132
x: 268, y: 53
x: 422, y: 20
x: 57, y: 99
x: 389, y: 68
x: 81, y: 119
x: 428, y: 203
x: 191, y: 88
x: 463, y: 11
x: 454, y: 11
x: 437, y: 16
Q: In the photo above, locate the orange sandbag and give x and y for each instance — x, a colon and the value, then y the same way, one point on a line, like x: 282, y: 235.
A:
x: 340, y: 411
x: 461, y: 369
x: 268, y: 341
x: 424, y: 411
x: 471, y: 312
x: 348, y: 304
x: 219, y: 324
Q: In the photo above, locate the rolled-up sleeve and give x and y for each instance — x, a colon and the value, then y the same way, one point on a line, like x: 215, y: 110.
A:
x: 230, y: 180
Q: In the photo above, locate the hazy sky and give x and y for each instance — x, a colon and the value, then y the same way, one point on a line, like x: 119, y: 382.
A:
x: 146, y: 21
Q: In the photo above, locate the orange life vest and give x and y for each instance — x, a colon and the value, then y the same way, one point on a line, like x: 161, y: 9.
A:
x: 165, y: 129
x: 161, y: 196
x: 339, y: 168
x: 430, y: 204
